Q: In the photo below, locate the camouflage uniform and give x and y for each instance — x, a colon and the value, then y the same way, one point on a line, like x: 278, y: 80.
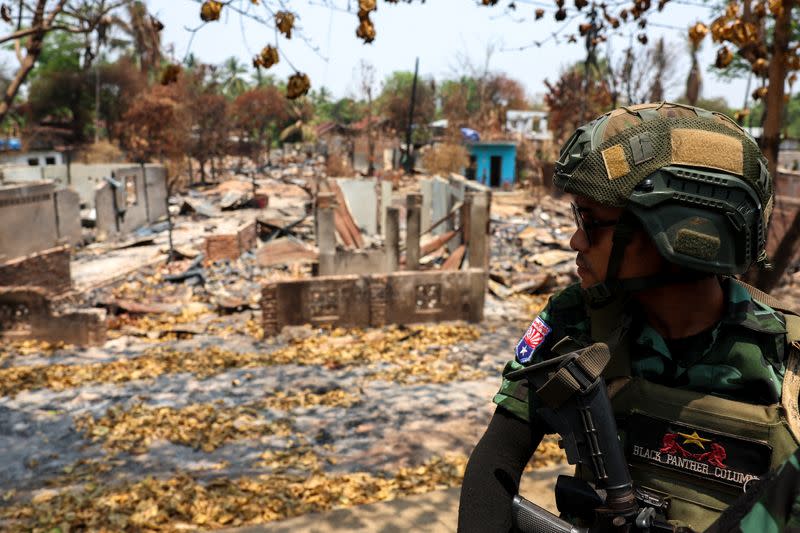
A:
x: 741, y: 358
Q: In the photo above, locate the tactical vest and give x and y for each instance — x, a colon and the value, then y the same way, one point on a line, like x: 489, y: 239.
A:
x: 698, y: 451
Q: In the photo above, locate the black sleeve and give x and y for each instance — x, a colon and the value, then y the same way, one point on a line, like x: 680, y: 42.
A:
x: 493, y: 472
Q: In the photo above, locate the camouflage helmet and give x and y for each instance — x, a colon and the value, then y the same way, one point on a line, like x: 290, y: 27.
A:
x: 694, y: 179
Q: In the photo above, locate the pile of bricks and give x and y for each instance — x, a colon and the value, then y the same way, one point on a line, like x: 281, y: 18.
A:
x: 230, y: 246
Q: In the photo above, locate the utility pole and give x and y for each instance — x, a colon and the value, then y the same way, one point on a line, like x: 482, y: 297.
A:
x: 591, y: 60
x: 408, y: 163
x: 96, y: 104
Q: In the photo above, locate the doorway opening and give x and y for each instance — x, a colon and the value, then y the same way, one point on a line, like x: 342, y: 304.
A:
x: 495, y: 167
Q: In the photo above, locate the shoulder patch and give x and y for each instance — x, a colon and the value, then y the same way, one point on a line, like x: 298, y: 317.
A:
x: 534, y: 337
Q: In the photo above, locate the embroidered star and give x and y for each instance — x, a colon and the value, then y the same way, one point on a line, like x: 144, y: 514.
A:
x: 694, y: 438
x: 524, y: 350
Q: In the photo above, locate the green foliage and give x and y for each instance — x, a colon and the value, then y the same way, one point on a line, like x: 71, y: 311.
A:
x: 791, y: 120
x: 395, y: 99
x: 459, y: 97
x: 61, y: 53
x: 342, y: 111
x: 61, y: 91
x: 233, y: 74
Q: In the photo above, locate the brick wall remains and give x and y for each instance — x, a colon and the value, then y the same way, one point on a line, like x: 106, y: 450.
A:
x: 230, y: 246
x: 49, y: 270
x: 26, y: 314
x: 374, y: 300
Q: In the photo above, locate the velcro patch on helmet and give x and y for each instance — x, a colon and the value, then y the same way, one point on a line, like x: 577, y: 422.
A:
x: 616, y: 164
x: 696, y: 244
x: 641, y: 148
x: 707, y: 149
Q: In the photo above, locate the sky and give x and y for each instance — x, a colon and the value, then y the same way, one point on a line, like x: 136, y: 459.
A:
x: 444, y: 34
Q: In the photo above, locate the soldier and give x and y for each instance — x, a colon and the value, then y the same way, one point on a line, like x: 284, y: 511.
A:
x: 774, y: 505
x: 670, y: 202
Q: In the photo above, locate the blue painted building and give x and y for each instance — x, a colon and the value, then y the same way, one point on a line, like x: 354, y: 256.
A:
x: 492, y: 163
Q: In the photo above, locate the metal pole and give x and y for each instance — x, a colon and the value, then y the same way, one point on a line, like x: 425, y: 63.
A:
x: 96, y: 104
x: 409, y: 165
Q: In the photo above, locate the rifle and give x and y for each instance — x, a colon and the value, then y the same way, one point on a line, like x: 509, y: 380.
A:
x: 577, y: 407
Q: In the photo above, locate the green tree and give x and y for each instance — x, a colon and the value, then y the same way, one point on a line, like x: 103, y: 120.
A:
x: 346, y: 111
x: 234, y: 82
x: 61, y: 52
x: 60, y: 89
x: 395, y: 100
x: 31, y: 21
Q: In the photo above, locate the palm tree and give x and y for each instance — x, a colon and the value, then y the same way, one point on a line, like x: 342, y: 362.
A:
x: 144, y: 33
x: 234, y: 83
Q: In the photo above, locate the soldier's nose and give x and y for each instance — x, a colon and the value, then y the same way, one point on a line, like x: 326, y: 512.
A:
x: 579, y: 241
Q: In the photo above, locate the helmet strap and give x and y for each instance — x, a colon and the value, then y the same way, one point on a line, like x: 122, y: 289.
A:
x: 601, y: 294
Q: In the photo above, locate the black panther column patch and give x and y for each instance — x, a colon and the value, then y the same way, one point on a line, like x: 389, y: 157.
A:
x: 696, y: 451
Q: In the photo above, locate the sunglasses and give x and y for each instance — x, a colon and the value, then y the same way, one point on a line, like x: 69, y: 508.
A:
x: 588, y: 225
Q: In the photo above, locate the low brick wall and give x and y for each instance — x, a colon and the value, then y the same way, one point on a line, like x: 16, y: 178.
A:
x: 230, y: 246
x: 374, y: 300
x: 49, y: 270
x: 26, y: 314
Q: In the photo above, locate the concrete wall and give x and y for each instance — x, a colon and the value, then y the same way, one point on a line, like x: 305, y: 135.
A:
x: 27, y: 219
x: 426, y: 188
x: 105, y: 212
x: 355, y: 262
x: 82, y: 178
x: 376, y: 300
x: 440, y: 202
x: 440, y: 195
x: 68, y: 216
x: 48, y: 270
x: 131, y: 206
x: 25, y: 313
x: 385, y: 192
x: 362, y: 201
x: 156, y: 192
x: 42, y: 158
x: 123, y: 214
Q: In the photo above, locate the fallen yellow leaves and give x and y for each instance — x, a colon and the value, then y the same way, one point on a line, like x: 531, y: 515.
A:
x: 286, y: 401
x: 440, y: 367
x: 182, y: 501
x: 339, y: 349
x: 301, y: 457
x: 548, y: 453
x: 200, y: 426
x: 31, y: 347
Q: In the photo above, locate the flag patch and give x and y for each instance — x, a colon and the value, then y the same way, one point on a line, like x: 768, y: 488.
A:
x: 534, y: 337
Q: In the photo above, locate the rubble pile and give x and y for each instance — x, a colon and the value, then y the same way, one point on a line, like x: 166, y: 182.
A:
x: 530, y: 245
x: 188, y: 418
